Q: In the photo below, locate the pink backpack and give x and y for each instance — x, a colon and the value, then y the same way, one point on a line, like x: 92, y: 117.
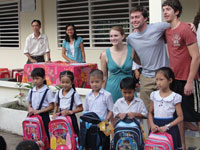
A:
x: 161, y: 141
x: 62, y: 134
x: 33, y: 129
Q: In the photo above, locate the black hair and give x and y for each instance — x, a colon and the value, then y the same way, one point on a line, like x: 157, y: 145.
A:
x: 197, y: 19
x: 27, y: 145
x: 175, y: 5
x: 70, y: 75
x: 140, y: 9
x: 169, y: 74
x: 3, y: 145
x: 75, y: 34
x: 128, y: 83
x: 38, y: 21
x: 38, y: 72
x: 97, y: 72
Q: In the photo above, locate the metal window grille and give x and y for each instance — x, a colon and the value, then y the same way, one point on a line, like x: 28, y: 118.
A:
x: 94, y: 18
x: 9, y: 24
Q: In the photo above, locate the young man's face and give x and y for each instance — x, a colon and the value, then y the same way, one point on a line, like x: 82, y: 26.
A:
x: 169, y: 14
x: 137, y: 20
x: 96, y: 83
x: 128, y: 94
x: 36, y: 27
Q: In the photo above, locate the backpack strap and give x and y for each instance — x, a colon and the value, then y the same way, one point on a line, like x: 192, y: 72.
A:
x: 59, y: 101
x: 72, y: 101
x: 42, y: 101
x: 31, y: 97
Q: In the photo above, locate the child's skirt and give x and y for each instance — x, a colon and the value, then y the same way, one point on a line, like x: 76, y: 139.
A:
x: 174, y: 131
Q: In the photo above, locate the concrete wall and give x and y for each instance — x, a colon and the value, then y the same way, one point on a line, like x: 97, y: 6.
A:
x: 46, y: 12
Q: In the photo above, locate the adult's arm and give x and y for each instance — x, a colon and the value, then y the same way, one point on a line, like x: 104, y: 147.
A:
x: 194, y: 53
x: 104, y: 68
x: 65, y: 56
x: 136, y: 58
x: 30, y: 58
x: 82, y: 51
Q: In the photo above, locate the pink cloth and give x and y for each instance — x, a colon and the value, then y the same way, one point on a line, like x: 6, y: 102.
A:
x: 52, y: 70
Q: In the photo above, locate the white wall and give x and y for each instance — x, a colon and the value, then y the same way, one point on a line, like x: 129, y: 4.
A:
x: 46, y: 12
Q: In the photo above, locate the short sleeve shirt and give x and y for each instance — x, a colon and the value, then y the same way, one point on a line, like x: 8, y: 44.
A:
x: 150, y: 47
x: 37, y: 97
x: 65, y: 101
x: 36, y: 46
x: 77, y: 56
x: 100, y: 104
x: 165, y: 107
x: 136, y: 106
x: 177, y: 41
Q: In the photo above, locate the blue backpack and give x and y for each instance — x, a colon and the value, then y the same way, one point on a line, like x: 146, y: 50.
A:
x: 128, y: 135
x: 90, y: 136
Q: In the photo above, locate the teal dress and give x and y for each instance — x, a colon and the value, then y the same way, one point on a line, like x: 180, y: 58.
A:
x: 117, y: 73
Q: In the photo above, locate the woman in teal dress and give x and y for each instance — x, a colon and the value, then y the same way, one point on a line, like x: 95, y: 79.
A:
x: 116, y: 62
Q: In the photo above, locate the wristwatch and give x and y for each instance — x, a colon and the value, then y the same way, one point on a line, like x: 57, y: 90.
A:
x: 167, y: 126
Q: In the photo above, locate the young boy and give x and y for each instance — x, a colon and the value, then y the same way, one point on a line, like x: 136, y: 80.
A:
x: 184, y: 61
x: 128, y: 105
x: 99, y: 100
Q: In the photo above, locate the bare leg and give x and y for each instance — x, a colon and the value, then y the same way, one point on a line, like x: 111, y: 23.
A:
x: 182, y: 134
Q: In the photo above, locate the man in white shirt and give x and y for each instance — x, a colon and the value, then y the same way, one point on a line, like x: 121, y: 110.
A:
x: 36, y: 45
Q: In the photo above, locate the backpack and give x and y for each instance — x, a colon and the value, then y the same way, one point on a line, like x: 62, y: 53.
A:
x: 62, y: 134
x: 33, y: 127
x: 90, y: 136
x: 161, y: 141
x: 128, y: 135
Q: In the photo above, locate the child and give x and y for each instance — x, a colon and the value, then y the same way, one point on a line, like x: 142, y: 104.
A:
x: 99, y: 100
x: 35, y: 96
x: 128, y: 105
x: 27, y: 145
x: 65, y: 96
x: 3, y: 145
x: 164, y: 103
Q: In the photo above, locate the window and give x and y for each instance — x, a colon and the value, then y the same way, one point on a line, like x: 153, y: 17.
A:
x: 94, y: 18
x: 9, y: 24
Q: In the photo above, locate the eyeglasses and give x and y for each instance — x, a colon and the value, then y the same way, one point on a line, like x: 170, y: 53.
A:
x: 70, y: 29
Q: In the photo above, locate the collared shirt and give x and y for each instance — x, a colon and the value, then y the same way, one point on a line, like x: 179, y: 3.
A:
x: 136, y: 106
x: 37, y: 97
x: 100, y: 104
x: 165, y: 107
x: 65, y: 101
x: 36, y: 46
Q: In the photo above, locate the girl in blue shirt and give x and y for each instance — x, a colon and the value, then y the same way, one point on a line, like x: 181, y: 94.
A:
x: 72, y: 46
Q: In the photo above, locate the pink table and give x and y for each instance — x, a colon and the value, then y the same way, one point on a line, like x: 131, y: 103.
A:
x: 52, y: 70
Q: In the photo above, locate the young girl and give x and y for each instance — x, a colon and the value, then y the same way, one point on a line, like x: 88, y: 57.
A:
x: 163, y: 105
x: 72, y: 46
x: 41, y: 99
x: 64, y: 98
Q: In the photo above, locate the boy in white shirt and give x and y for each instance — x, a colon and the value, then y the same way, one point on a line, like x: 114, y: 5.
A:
x: 128, y: 105
x: 99, y: 100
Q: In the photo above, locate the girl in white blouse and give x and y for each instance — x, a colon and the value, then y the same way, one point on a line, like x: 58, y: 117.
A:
x: 163, y: 106
x: 67, y: 100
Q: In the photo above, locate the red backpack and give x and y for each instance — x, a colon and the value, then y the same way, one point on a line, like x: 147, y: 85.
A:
x: 161, y: 141
x: 62, y: 134
x: 33, y: 129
